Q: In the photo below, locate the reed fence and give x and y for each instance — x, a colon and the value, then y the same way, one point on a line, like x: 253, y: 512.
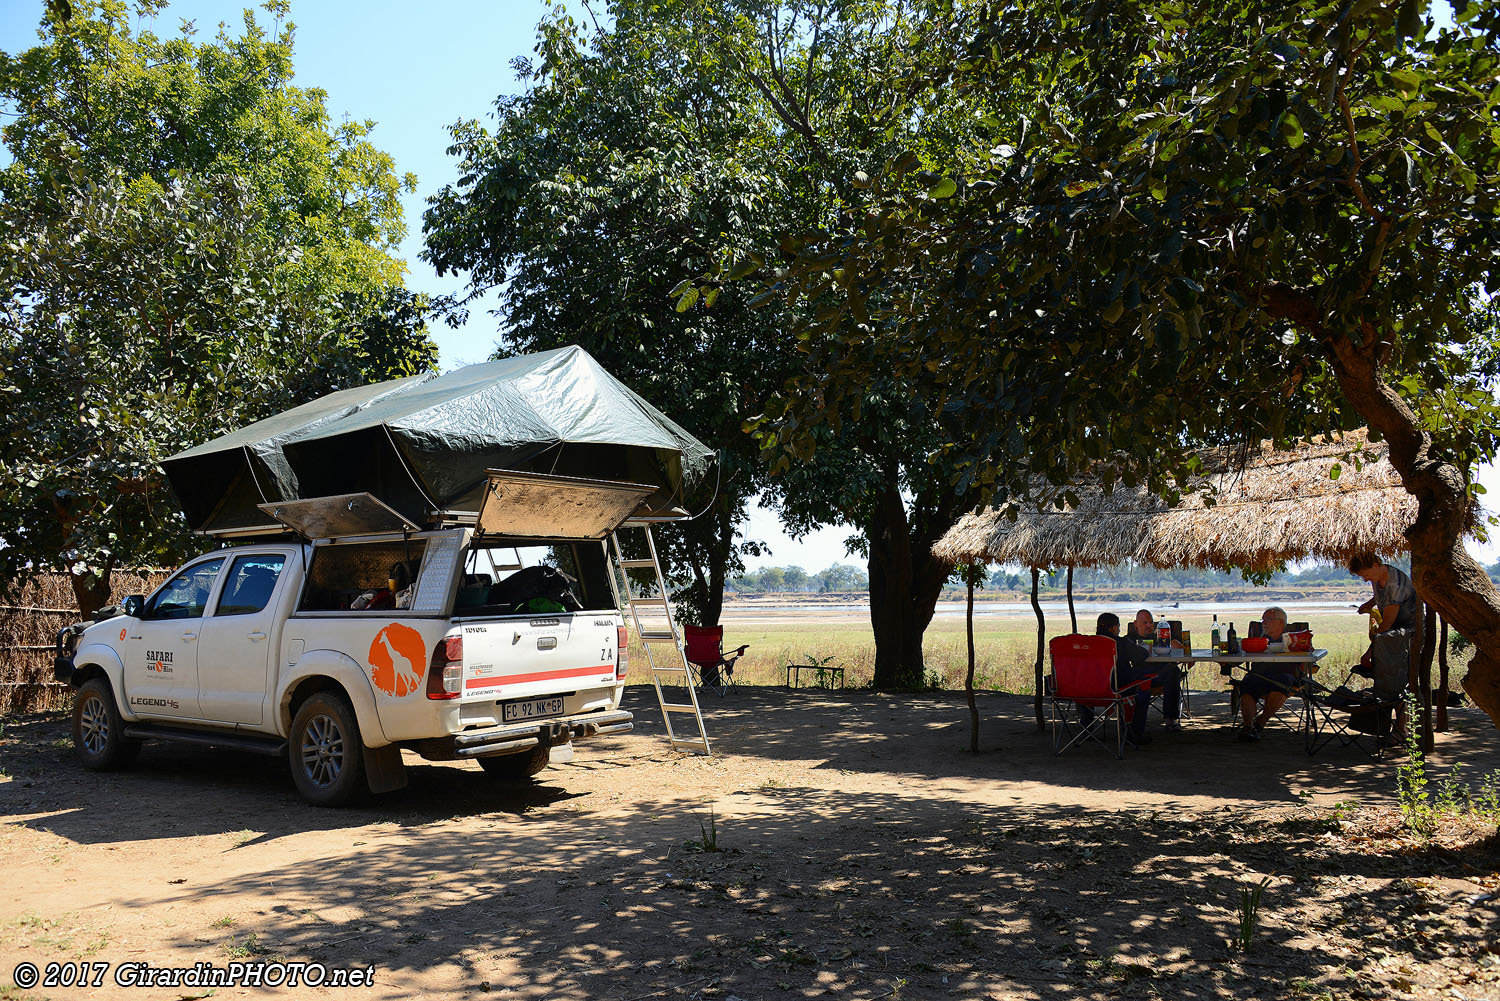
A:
x: 30, y: 616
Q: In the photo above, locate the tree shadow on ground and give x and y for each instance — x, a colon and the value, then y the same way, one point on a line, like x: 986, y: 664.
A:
x: 950, y: 885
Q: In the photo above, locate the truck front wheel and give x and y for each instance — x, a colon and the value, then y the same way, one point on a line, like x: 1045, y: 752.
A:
x: 517, y: 766
x: 98, y: 730
x: 325, y: 752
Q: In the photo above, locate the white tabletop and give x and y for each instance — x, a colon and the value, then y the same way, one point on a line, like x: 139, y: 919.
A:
x: 1210, y: 656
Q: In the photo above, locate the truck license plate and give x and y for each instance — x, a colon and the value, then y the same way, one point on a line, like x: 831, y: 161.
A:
x: 531, y: 709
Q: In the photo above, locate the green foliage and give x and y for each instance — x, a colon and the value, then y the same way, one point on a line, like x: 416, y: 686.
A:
x: 1454, y: 798
x: 1166, y: 253
x: 633, y: 157
x: 709, y: 841
x: 1248, y: 907
x: 190, y: 245
x: 1411, y: 779
x: 690, y: 137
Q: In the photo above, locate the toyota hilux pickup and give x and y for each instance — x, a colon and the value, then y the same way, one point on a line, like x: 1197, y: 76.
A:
x: 341, y: 652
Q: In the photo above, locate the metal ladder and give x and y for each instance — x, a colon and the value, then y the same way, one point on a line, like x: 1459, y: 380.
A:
x: 674, y: 668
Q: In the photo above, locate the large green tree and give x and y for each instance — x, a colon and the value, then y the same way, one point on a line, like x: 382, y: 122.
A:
x: 661, y: 140
x: 1221, y: 222
x: 190, y: 244
x: 621, y: 167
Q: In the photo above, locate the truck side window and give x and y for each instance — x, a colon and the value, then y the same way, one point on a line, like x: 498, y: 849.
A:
x: 250, y: 583
x: 186, y: 595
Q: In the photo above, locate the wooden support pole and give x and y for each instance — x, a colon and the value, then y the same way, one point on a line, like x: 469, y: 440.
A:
x: 1442, y: 699
x: 1424, y: 679
x: 1041, y: 645
x: 971, y: 572
x: 1072, y: 615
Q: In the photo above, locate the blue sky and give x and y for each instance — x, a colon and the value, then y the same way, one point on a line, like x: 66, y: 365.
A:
x: 415, y: 69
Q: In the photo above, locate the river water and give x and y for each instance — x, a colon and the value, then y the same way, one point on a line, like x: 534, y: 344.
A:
x: 771, y: 611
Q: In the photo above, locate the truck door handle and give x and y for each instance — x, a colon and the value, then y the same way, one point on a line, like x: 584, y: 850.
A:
x: 189, y: 636
x: 257, y: 635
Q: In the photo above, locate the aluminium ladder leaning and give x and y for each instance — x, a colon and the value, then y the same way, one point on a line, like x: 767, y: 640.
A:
x: 657, y: 635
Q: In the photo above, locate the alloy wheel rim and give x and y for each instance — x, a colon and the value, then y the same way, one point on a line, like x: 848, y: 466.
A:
x: 322, y: 750
x: 94, y: 726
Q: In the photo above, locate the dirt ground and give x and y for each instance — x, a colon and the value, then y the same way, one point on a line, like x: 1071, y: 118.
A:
x: 861, y: 853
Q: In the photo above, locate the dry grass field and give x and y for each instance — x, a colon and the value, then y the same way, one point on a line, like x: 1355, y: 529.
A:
x: 1005, y: 645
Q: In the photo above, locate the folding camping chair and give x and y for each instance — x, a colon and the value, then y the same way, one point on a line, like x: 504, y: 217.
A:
x: 1362, y: 717
x: 1083, y: 674
x: 1294, y: 721
x: 705, y: 652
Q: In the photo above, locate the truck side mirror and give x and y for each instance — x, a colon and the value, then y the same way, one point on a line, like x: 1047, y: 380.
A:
x: 132, y: 604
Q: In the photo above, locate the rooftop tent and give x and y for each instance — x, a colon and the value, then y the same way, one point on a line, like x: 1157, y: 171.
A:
x: 424, y: 448
x: 219, y: 483
x: 557, y: 412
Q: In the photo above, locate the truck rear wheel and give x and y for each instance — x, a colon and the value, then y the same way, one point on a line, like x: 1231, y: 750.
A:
x: 98, y: 730
x: 517, y: 766
x: 325, y: 752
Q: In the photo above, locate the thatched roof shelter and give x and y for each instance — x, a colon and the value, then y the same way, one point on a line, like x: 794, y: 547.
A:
x: 1326, y: 499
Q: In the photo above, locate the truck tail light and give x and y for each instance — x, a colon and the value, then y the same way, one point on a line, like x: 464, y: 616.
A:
x: 622, y: 652
x: 445, y: 676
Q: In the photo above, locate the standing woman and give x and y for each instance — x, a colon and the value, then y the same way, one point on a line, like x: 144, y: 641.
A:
x: 1388, y: 659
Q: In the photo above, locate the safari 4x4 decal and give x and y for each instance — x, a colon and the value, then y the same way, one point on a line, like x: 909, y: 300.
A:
x: 398, y: 659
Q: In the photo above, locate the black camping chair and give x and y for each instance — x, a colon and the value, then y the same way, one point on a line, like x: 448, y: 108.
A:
x: 1362, y: 717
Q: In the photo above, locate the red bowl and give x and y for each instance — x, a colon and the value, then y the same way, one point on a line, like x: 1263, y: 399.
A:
x: 1254, y: 644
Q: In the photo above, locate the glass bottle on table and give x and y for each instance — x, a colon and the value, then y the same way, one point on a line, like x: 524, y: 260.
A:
x: 1215, y: 635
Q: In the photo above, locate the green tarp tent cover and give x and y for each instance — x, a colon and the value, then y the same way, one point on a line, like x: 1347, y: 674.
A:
x: 422, y: 444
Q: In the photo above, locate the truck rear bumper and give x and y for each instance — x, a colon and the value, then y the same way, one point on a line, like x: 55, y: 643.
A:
x: 512, y: 738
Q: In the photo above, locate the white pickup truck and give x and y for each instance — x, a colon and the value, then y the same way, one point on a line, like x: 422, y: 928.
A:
x: 343, y: 651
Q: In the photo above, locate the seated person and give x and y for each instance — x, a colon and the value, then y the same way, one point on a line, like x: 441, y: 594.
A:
x: 1268, y: 682
x: 1130, y: 665
x: 1143, y: 631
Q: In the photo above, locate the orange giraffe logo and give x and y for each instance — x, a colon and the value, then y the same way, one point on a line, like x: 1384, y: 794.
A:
x: 398, y: 658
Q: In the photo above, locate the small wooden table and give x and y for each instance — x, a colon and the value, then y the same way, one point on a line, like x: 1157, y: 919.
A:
x: 823, y: 675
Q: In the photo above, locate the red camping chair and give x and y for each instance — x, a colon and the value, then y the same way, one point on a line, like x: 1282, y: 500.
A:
x: 1083, y: 674
x: 705, y: 651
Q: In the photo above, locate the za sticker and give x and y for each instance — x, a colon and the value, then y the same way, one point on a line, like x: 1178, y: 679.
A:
x: 397, y: 659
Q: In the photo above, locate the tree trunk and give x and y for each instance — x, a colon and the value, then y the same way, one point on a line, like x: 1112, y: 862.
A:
x: 905, y: 582
x: 713, y: 602
x: 1041, y: 645
x: 91, y: 591
x: 1444, y: 573
x: 970, y: 573
x: 1442, y: 697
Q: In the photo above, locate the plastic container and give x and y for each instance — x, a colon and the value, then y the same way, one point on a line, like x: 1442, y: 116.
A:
x: 1254, y: 644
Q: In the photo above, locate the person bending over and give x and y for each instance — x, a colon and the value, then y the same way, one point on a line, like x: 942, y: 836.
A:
x: 1387, y: 662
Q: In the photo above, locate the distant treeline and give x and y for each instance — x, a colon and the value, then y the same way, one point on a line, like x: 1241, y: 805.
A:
x: 842, y: 577
x: 795, y: 580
